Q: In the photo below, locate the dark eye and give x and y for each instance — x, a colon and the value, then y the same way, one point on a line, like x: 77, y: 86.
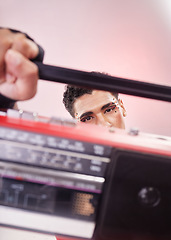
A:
x: 86, y: 119
x: 110, y: 109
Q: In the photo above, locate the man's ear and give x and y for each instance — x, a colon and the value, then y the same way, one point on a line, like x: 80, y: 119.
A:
x: 122, y: 107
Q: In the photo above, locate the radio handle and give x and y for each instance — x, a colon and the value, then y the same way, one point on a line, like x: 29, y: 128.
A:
x: 104, y: 82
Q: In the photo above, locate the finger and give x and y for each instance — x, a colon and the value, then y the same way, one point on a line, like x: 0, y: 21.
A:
x: 6, y: 39
x: 25, y: 46
x: 25, y: 73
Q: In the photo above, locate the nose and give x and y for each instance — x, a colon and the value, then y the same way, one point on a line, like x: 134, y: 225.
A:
x: 103, y: 121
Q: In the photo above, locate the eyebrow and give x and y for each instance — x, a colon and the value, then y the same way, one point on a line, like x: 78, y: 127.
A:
x: 106, y: 105
x: 102, y: 108
x: 86, y: 114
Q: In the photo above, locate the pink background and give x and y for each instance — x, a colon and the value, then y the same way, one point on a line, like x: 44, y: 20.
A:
x: 123, y: 38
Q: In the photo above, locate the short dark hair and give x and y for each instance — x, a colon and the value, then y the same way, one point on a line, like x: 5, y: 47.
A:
x: 72, y: 93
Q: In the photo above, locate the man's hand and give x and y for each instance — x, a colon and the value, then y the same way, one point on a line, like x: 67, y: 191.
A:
x: 18, y: 75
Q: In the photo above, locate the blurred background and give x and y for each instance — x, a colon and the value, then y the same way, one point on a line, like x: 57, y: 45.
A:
x: 128, y: 39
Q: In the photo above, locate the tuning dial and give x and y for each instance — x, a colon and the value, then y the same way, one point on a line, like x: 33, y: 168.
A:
x: 149, y: 197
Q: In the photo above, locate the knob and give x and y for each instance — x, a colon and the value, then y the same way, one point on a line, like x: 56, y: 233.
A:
x: 149, y: 197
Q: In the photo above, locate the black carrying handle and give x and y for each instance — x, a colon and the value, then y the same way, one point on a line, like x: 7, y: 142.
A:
x: 104, y: 82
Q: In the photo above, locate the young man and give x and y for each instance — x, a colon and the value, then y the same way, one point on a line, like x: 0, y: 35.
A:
x: 95, y: 107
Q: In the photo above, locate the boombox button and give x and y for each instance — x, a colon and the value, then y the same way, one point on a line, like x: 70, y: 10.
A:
x: 133, y: 131
x: 149, y: 197
x: 61, y: 121
x: 20, y: 114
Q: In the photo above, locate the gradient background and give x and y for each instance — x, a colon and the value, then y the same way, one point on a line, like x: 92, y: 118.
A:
x: 123, y: 38
x: 126, y: 38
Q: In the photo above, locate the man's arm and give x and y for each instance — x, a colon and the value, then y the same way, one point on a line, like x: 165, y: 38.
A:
x: 18, y: 75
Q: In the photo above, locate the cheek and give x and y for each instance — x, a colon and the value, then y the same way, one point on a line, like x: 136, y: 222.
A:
x: 117, y: 120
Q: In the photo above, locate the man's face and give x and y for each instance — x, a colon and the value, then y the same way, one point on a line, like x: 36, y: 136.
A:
x: 100, y: 108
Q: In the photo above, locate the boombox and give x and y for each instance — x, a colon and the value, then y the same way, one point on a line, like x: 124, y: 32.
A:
x: 85, y: 182
x: 79, y: 181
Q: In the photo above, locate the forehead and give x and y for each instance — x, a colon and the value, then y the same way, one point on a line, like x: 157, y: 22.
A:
x: 92, y: 102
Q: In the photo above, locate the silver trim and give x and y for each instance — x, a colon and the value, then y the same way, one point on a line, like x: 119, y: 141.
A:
x: 49, y: 150
x: 51, y: 177
x: 46, y: 223
x: 49, y: 172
